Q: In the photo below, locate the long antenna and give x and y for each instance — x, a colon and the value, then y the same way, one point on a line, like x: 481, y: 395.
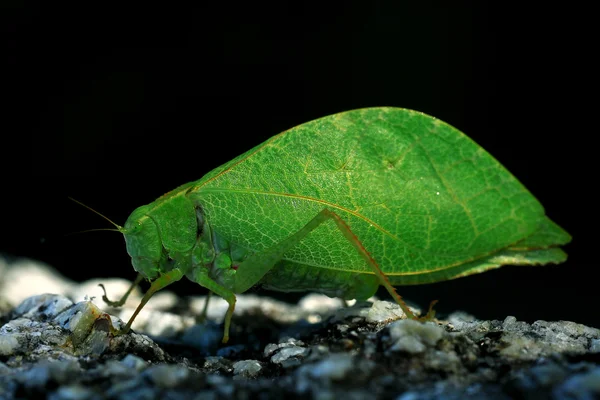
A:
x: 92, y: 230
x: 119, y: 227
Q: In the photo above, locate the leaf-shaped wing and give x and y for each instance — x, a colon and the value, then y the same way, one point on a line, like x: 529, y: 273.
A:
x: 419, y: 194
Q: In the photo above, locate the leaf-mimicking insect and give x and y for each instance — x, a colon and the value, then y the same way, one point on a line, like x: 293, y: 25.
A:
x: 340, y: 205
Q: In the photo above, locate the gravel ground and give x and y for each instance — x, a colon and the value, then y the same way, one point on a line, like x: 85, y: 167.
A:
x: 58, y: 340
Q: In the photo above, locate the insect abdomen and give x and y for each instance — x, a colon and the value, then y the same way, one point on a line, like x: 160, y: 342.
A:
x: 288, y: 276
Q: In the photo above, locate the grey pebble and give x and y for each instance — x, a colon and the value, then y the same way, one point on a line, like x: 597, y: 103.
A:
x: 335, y: 367
x: 217, y: 364
x: 167, y: 376
x: 585, y: 386
x: 288, y: 342
x: 359, y: 310
x: 509, y: 321
x: 136, y: 363
x: 247, y: 368
x: 285, y: 355
x: 74, y: 392
x: 384, y: 311
x: 43, y: 306
x: 288, y: 353
x: 413, y: 336
x: 319, y: 303
x: 24, y: 278
x: 8, y: 344
x: 58, y: 371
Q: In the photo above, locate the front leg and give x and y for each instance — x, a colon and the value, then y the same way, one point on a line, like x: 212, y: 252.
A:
x: 200, y: 276
x: 123, y: 299
x: 159, y: 283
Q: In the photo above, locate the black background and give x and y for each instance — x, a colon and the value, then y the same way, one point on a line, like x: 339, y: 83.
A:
x: 115, y: 105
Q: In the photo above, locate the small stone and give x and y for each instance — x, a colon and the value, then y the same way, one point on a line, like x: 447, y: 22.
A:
x: 134, y: 362
x: 519, y: 347
x: 113, y: 368
x: 136, y: 343
x: 129, y: 389
x: 410, y: 395
x: 285, y: 342
x: 548, y: 374
x: 508, y: 321
x: 80, y: 320
x: 216, y: 380
x: 270, y: 349
x: 413, y: 336
x: 217, y: 364
x: 25, y: 278
x: 443, y: 361
x: 72, y: 392
x: 542, y: 338
x: 42, y: 306
x: 384, y: 311
x: 595, y: 346
x: 581, y: 386
x: 167, y: 376
x: 288, y: 352
x: 289, y: 342
x: 8, y: 344
x: 4, y: 369
x: 319, y: 303
x: 247, y: 368
x: 160, y: 323
x: 335, y: 367
x: 279, y: 311
x: 45, y: 371
x: 96, y: 342
x: 359, y: 310
x: 461, y: 321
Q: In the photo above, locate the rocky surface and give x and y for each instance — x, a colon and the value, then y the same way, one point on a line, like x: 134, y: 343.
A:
x: 60, y: 341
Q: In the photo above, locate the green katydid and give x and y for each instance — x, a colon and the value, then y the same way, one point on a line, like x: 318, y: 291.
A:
x: 340, y: 205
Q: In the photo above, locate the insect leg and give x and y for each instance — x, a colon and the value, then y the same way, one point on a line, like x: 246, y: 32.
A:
x: 205, y: 308
x: 352, y: 238
x: 252, y: 270
x: 203, y: 279
x: 159, y: 283
x: 123, y: 299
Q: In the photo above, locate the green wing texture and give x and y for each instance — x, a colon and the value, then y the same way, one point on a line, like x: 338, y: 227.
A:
x: 426, y: 201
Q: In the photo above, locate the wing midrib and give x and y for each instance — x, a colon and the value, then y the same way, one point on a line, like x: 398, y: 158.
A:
x: 310, y: 199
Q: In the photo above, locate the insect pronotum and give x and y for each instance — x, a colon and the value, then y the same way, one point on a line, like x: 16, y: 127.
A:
x: 340, y: 205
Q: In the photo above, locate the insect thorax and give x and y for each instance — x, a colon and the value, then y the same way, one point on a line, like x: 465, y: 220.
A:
x: 215, y: 252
